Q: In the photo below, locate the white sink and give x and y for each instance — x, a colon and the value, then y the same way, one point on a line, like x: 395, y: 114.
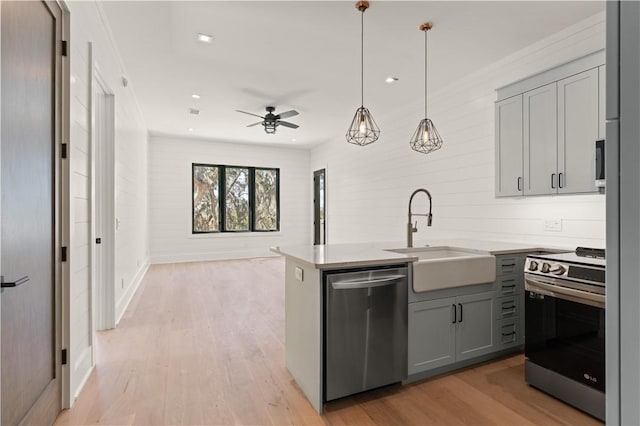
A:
x: 448, y: 267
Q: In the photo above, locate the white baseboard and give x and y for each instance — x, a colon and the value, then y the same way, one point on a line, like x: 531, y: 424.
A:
x: 124, y: 301
x: 82, y: 367
x: 219, y: 255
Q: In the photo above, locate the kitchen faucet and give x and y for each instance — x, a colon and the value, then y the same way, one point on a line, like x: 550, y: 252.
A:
x: 414, y: 228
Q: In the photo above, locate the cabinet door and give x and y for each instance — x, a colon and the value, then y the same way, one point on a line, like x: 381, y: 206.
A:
x: 540, y: 140
x: 578, y: 120
x: 475, y: 324
x: 431, y: 334
x: 509, y: 147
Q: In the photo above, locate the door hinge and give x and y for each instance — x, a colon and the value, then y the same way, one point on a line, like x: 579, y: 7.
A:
x: 65, y: 47
x: 64, y: 357
x: 64, y: 254
x: 64, y: 150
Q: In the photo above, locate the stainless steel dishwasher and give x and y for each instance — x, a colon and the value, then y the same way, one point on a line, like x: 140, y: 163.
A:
x: 365, y: 334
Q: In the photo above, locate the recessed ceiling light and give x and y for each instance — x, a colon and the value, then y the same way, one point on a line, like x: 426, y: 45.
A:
x: 293, y: 140
x: 205, y: 38
x: 195, y: 96
x: 190, y: 129
x: 391, y: 79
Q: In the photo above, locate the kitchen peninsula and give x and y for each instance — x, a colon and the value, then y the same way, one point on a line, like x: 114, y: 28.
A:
x: 308, y: 266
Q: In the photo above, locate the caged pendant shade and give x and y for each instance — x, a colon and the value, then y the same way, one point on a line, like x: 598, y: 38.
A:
x: 426, y: 138
x: 363, y: 129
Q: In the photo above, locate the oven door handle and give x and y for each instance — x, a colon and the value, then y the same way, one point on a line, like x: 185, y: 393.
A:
x: 536, y: 285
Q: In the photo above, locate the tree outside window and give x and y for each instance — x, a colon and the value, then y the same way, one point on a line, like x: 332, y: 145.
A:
x: 235, y: 199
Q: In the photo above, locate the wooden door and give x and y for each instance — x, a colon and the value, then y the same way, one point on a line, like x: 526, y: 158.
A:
x: 509, y: 147
x: 578, y: 121
x: 541, y: 141
x: 30, y: 325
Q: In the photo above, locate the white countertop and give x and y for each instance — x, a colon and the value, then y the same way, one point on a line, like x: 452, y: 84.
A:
x: 369, y: 254
x: 343, y: 255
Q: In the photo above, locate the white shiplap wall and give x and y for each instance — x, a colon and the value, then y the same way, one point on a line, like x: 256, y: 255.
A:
x: 87, y: 26
x: 170, y: 162
x: 369, y: 188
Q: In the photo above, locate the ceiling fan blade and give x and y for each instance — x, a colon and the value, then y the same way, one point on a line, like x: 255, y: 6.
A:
x: 254, y: 124
x: 288, y: 114
x: 287, y: 124
x: 250, y: 113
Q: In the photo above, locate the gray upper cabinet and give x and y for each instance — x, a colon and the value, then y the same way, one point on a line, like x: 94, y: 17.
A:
x: 578, y: 119
x: 561, y: 116
x: 509, y: 147
x: 540, y: 140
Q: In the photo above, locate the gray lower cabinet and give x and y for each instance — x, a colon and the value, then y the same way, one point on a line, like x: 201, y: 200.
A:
x: 432, y: 334
x: 451, y: 329
x: 474, y: 336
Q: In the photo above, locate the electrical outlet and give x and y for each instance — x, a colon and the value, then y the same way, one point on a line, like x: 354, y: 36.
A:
x: 299, y: 273
x: 553, y: 225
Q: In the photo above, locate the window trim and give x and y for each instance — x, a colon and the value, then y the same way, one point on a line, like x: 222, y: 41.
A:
x: 222, y: 190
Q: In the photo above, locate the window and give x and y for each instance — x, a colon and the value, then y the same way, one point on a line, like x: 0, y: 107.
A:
x: 235, y: 199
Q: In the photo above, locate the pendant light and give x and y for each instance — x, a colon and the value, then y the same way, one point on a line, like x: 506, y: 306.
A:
x: 363, y: 129
x: 426, y: 138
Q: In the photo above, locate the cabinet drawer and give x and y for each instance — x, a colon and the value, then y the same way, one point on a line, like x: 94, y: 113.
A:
x: 507, y: 307
x: 509, y: 285
x: 508, y: 265
x: 508, y: 333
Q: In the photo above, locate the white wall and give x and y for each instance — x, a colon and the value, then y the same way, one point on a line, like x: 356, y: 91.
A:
x: 87, y: 25
x: 170, y: 234
x: 369, y: 188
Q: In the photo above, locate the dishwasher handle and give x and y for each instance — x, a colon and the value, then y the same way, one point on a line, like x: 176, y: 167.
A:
x: 377, y: 282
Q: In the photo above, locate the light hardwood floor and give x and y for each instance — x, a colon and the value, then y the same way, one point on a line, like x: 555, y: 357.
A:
x: 203, y: 343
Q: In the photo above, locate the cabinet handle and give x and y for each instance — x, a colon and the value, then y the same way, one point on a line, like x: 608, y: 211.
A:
x: 519, y: 183
x: 509, y: 288
x: 504, y: 308
x: 560, y: 180
x: 509, y: 334
x: 460, y: 305
x: 455, y: 315
x: 553, y: 180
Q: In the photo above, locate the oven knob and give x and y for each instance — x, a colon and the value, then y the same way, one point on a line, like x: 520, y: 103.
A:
x: 558, y: 269
x: 545, y: 267
x: 533, y: 265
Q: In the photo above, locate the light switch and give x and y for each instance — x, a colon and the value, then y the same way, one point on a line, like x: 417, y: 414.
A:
x: 299, y: 273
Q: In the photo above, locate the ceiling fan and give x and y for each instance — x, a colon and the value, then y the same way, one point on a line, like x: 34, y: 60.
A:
x: 271, y: 120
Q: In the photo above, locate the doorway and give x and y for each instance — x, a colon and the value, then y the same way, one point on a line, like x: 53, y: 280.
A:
x: 319, y: 207
x: 31, y: 253
x: 103, y: 203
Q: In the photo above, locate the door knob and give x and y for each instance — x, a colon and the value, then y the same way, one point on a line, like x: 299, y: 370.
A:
x: 16, y: 283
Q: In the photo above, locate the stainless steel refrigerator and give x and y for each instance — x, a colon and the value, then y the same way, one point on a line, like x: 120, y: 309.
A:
x: 623, y: 212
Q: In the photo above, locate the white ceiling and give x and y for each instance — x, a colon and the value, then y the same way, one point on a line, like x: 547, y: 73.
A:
x: 305, y: 55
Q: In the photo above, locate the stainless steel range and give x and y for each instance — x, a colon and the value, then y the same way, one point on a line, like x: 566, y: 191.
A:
x: 565, y: 327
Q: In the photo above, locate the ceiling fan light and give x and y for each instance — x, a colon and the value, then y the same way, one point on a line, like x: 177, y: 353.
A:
x: 363, y: 129
x: 426, y: 138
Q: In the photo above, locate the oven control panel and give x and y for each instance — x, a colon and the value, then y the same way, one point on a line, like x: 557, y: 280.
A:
x: 546, y: 267
x: 566, y: 270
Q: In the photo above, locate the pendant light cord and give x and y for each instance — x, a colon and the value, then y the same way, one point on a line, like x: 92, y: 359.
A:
x: 362, y: 58
x: 425, y: 73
